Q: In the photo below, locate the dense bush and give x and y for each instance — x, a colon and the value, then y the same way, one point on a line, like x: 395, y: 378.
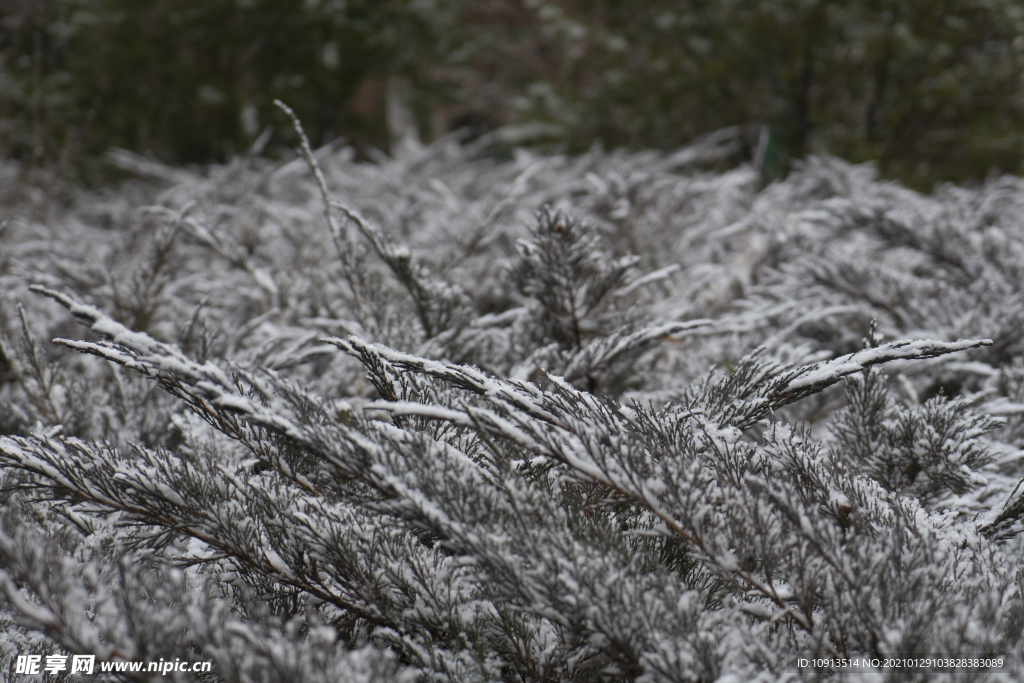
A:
x: 551, y: 418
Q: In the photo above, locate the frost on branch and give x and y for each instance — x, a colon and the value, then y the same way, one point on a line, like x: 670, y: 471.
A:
x: 928, y: 451
x: 544, y: 419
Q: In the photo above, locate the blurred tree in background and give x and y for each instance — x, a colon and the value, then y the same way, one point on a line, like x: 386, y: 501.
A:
x: 194, y: 81
x: 930, y: 89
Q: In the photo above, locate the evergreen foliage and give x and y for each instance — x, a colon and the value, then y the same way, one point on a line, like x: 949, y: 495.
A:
x: 587, y: 418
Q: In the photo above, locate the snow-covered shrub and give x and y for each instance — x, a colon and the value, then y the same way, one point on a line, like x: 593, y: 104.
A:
x: 454, y: 418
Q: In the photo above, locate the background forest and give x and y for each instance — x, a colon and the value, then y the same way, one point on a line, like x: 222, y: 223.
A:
x: 929, y: 90
x: 533, y: 342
